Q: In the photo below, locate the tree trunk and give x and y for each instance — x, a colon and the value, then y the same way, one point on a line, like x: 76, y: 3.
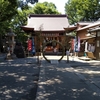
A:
x: 1, y: 44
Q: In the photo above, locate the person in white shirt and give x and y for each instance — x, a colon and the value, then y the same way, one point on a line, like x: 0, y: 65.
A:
x: 92, y: 48
x: 67, y: 54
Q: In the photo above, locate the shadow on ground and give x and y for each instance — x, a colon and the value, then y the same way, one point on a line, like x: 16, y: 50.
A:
x: 61, y: 83
x: 19, y: 79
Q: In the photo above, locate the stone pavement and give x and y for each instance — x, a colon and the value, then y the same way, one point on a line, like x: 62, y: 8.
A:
x: 69, y: 81
x: 2, y: 57
x: 89, y: 72
x: 76, y: 80
x: 18, y: 79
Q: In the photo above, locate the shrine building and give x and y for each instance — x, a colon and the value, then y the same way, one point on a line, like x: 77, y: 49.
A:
x: 51, y: 27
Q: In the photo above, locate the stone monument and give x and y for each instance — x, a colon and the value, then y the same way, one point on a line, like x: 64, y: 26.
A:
x: 10, y: 44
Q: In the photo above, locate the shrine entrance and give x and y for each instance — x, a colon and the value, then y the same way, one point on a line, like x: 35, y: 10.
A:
x: 49, y: 34
x: 53, y: 50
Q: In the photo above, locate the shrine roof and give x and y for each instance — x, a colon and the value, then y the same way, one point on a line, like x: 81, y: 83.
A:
x: 70, y: 28
x: 42, y: 22
x: 97, y: 23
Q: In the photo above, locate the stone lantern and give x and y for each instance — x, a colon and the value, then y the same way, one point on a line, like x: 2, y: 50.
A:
x: 10, y: 44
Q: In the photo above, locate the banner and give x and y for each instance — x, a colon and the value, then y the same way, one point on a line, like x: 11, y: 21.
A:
x: 72, y: 44
x: 77, y: 44
x: 29, y: 45
x: 33, y: 46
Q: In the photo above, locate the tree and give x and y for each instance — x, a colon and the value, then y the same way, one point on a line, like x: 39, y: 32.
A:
x: 45, y: 8
x: 9, y: 14
x: 8, y: 8
x: 77, y: 10
x: 23, y: 4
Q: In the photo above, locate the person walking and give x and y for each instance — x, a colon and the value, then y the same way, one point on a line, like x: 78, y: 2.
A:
x: 67, y: 54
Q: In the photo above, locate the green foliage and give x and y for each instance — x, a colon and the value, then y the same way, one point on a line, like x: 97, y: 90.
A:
x: 45, y: 8
x: 23, y: 4
x: 79, y: 10
x: 8, y: 8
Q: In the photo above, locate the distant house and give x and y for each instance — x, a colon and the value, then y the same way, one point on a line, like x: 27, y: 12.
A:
x: 75, y: 28
x: 89, y: 34
x: 51, y: 27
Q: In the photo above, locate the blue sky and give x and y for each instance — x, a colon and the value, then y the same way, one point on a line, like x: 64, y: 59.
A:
x: 60, y: 4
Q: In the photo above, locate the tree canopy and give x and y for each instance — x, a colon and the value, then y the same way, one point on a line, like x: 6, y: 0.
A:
x: 9, y: 15
x: 8, y: 9
x: 79, y: 10
x: 23, y: 4
x: 45, y: 8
